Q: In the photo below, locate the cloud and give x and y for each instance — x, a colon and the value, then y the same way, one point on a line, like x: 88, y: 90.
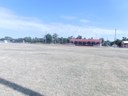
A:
x: 69, y: 17
x: 11, y: 21
x: 84, y: 21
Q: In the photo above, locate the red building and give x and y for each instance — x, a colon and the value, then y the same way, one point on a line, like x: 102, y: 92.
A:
x: 86, y: 42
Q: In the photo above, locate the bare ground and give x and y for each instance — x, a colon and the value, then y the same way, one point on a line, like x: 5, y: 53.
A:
x: 54, y: 70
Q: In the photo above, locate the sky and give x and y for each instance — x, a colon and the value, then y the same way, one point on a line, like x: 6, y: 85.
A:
x: 89, y: 18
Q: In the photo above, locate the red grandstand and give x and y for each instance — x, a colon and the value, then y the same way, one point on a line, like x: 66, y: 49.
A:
x: 86, y: 42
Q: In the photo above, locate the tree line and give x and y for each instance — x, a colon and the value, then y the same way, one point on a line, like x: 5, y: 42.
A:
x: 47, y: 39
x: 55, y: 39
x: 117, y: 42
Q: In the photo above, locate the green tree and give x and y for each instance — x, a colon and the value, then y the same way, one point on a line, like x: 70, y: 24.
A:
x: 69, y: 38
x: 102, y: 41
x: 48, y: 38
x: 28, y: 39
x: 79, y: 37
x: 55, y: 38
x: 118, y: 42
x: 8, y: 38
x: 65, y: 40
x: 106, y: 43
x: 19, y: 40
x: 124, y: 38
x: 61, y: 40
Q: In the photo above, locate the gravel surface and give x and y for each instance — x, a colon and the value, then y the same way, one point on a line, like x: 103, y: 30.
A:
x: 56, y: 70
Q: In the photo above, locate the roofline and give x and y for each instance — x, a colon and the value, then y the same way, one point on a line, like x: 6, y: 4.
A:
x: 85, y: 40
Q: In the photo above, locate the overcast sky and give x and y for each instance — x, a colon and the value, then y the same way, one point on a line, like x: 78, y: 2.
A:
x: 89, y: 18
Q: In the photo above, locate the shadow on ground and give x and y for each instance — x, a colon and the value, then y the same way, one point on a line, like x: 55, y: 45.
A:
x: 19, y: 88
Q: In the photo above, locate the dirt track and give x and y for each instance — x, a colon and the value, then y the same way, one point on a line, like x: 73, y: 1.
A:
x: 49, y: 70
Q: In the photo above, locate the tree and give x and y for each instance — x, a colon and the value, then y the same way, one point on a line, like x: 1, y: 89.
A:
x: 102, y: 41
x: 48, y: 38
x: 124, y: 38
x: 65, y: 40
x: 106, y: 43
x: 8, y: 38
x: 118, y: 42
x: 68, y: 39
x: 79, y: 37
x: 61, y: 40
x: 19, y: 40
x: 55, y: 38
x: 28, y: 39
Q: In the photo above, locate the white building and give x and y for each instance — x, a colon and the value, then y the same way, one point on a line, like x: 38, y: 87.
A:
x: 125, y: 44
x: 5, y: 41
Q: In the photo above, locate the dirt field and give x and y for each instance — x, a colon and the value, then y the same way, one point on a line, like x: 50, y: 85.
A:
x: 49, y: 70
